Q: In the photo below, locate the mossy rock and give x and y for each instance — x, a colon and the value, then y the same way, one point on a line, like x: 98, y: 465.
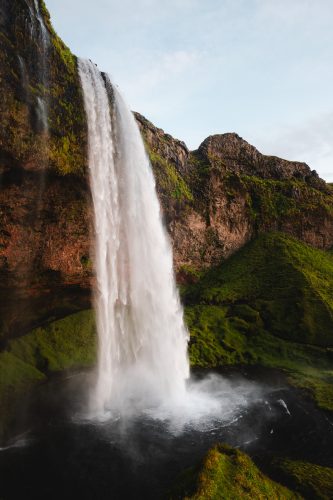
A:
x: 168, y: 179
x: 229, y: 474
x: 26, y: 81
x: 272, y: 200
x: 68, y: 343
x: 311, y: 480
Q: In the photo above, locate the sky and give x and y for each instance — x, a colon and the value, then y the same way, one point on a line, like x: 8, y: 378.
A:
x: 261, y: 68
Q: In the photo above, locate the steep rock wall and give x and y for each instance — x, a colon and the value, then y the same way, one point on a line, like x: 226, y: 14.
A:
x: 235, y: 193
x: 214, y: 199
x: 45, y: 214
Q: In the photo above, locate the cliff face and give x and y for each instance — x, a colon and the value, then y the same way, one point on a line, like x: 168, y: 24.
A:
x: 44, y: 194
x: 235, y: 193
x: 214, y: 199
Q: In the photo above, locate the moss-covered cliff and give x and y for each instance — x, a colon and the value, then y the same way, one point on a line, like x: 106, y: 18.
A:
x: 37, y: 70
x: 214, y: 199
x: 45, y: 214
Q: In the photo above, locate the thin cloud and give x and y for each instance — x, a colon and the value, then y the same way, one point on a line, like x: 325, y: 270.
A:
x: 165, y: 68
x: 311, y: 142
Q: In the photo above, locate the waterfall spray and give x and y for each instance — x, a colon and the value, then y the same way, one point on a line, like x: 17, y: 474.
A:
x: 142, y: 357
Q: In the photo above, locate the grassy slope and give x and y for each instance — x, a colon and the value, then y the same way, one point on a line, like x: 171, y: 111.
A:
x: 229, y: 474
x: 270, y: 304
x: 311, y: 480
x: 64, y: 344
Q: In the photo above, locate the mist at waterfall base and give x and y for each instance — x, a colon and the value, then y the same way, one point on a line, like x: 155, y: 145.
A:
x: 143, y: 366
x: 140, y: 457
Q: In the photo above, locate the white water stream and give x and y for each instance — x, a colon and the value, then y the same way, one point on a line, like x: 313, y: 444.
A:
x: 142, y: 356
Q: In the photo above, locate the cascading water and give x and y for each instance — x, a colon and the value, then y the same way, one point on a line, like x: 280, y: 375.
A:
x: 39, y: 32
x: 42, y: 101
x: 142, y: 359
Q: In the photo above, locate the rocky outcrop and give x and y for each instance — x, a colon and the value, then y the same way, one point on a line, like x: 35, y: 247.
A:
x: 232, y: 154
x: 236, y: 193
x: 164, y: 145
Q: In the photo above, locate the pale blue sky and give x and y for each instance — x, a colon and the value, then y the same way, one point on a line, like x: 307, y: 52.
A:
x: 261, y: 68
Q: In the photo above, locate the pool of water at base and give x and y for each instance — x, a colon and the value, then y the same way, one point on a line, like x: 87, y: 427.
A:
x: 61, y: 455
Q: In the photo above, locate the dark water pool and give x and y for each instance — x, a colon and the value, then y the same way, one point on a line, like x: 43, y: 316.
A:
x: 61, y: 456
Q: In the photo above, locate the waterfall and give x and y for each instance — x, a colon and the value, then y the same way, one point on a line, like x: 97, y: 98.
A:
x: 142, y: 355
x: 39, y: 32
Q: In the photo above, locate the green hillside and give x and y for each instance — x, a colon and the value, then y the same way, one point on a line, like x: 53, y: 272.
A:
x: 229, y: 474
x: 270, y: 304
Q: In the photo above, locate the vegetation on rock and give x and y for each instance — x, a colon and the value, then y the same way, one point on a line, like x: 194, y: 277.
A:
x: 168, y: 179
x: 68, y: 343
x: 311, y: 480
x: 26, y: 80
x: 229, y: 474
x: 270, y: 304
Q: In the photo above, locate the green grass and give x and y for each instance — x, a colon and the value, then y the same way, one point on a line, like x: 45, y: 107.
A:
x: 269, y: 305
x: 229, y: 474
x: 168, y: 178
x: 65, y: 344
x: 60, y: 345
x: 311, y: 480
x: 287, y: 282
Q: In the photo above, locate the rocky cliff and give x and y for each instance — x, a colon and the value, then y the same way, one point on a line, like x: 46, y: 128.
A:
x: 214, y: 199
x: 44, y: 196
x: 225, y: 193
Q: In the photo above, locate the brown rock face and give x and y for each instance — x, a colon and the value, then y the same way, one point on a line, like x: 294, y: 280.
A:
x: 45, y: 209
x: 45, y: 263
x: 233, y: 154
x: 173, y: 150
x: 237, y: 193
x: 214, y: 199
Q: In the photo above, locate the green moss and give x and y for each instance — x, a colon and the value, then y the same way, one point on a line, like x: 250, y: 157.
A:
x: 269, y: 305
x: 229, y: 474
x: 168, y: 178
x: 190, y: 273
x: 63, y: 147
x: 272, y: 200
x: 16, y: 374
x: 311, y: 480
x: 64, y: 344
x: 214, y: 341
x: 287, y: 282
x: 60, y: 345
